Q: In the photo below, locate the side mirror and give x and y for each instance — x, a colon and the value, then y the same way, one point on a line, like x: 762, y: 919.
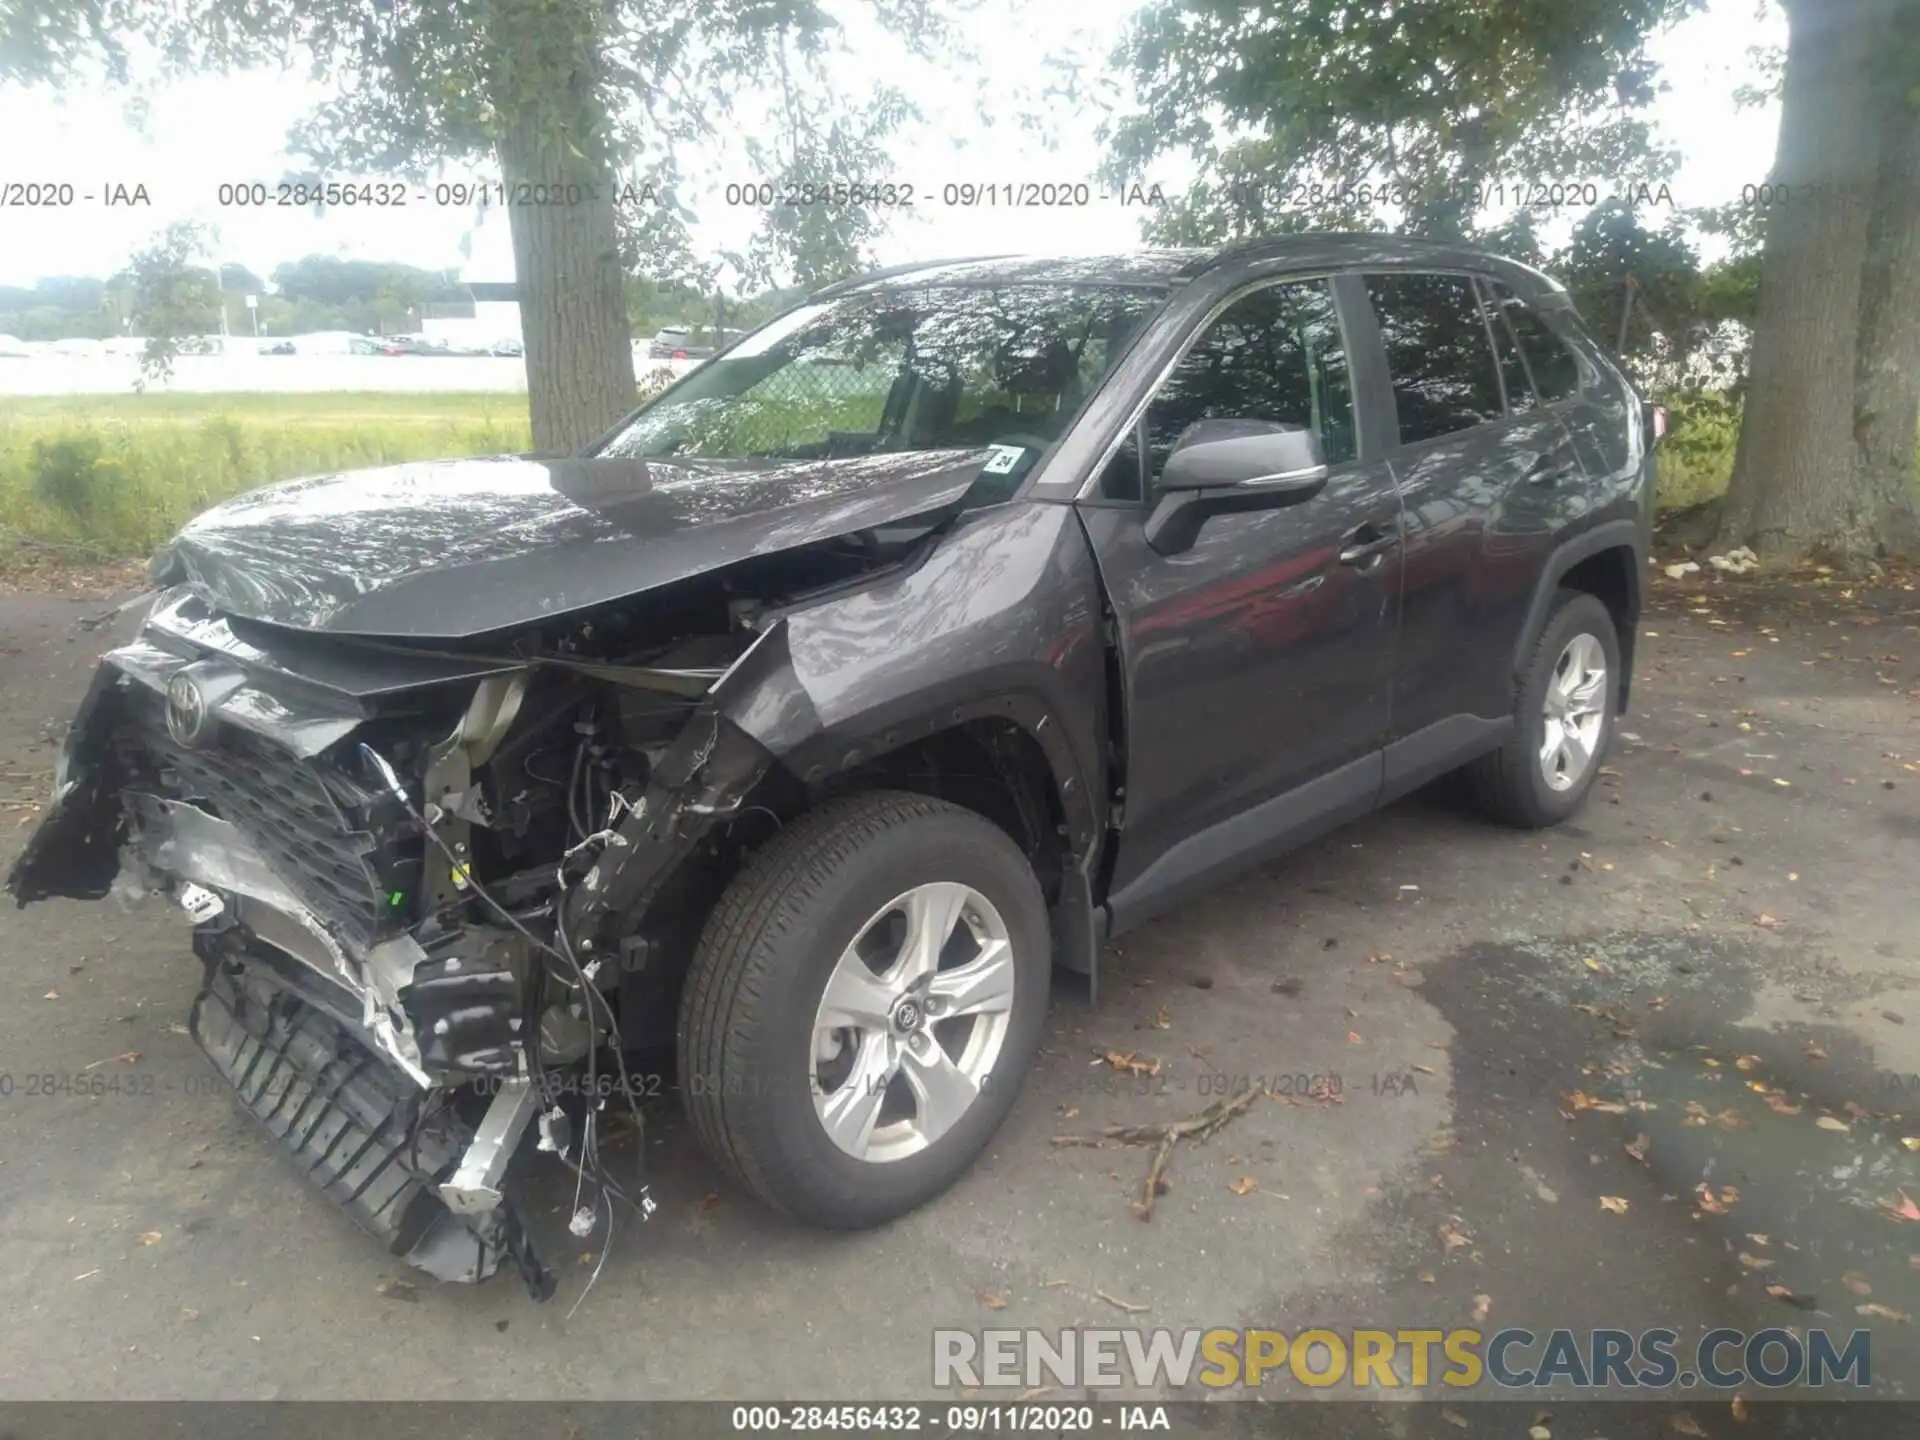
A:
x: 1220, y: 467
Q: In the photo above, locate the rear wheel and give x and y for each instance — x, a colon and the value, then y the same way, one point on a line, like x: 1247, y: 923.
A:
x: 1563, y: 719
x: 864, y: 1003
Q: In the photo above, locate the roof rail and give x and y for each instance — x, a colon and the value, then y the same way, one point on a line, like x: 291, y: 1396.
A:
x: 889, y: 271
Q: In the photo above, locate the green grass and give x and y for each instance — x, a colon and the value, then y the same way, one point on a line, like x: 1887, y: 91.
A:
x: 114, y: 476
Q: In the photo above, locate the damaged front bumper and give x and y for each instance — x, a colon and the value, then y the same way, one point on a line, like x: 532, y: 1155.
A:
x: 374, y: 1033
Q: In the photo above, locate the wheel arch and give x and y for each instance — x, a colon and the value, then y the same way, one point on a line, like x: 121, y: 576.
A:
x: 1607, y: 562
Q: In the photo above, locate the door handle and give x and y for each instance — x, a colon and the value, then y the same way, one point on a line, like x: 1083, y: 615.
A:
x: 1367, y: 545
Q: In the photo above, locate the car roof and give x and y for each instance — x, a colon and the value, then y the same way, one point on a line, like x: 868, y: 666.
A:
x: 1170, y: 269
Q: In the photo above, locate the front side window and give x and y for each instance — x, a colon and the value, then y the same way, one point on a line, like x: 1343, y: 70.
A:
x: 1276, y: 354
x: 1439, y: 357
x: 933, y: 368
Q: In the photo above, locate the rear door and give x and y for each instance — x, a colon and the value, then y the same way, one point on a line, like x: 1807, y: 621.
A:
x: 1257, y: 662
x: 1484, y: 472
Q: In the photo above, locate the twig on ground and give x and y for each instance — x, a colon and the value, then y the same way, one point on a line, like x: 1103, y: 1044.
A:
x: 1164, y: 1137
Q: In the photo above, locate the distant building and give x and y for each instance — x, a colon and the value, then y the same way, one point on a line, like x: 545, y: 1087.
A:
x: 489, y: 314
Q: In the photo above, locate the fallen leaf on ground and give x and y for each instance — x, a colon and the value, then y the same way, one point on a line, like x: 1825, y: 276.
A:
x: 1778, y: 1104
x: 1740, y: 1407
x: 1856, y: 1282
x: 1128, y: 1060
x: 1453, y: 1237
x: 993, y: 1301
x: 1729, y: 1119
x: 1119, y: 1304
x: 1481, y: 1305
x: 1613, y: 1204
x: 152, y: 1237
x: 1245, y: 1185
x: 1638, y: 1149
x: 1754, y: 1262
x: 1685, y: 1424
x: 1746, y: 1062
x: 1912, y: 1142
x: 1786, y: 1296
x: 1827, y: 1122
x: 51, y: 995
x: 1539, y: 1432
x: 1904, y: 1210
x: 1580, y: 1100
x: 1813, y: 1051
x: 1715, y: 1204
x: 1454, y: 1417
x: 1881, y: 1312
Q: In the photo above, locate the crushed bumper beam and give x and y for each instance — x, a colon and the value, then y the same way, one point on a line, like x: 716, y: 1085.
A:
x: 354, y: 1124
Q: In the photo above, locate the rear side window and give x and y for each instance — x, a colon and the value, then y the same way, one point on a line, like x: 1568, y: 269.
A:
x: 1439, y: 357
x: 1556, y: 373
x: 1513, y: 370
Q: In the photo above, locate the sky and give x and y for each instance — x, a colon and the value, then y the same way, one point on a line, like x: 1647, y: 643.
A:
x: 181, y: 142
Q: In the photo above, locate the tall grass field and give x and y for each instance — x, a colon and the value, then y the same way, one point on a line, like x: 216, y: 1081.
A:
x: 115, y: 476
x: 112, y: 477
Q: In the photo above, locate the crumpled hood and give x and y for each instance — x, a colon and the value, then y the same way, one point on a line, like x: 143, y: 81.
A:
x: 445, y: 549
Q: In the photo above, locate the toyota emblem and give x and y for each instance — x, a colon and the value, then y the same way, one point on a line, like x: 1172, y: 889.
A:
x: 187, y: 710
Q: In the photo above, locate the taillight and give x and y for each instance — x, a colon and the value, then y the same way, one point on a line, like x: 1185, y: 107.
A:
x: 679, y: 354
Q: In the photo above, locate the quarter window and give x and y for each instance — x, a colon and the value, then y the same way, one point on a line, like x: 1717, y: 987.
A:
x: 1275, y: 354
x: 1439, y: 357
x: 1556, y: 371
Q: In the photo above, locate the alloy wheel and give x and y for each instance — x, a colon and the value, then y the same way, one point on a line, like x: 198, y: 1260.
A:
x: 911, y: 1021
x: 1574, y: 712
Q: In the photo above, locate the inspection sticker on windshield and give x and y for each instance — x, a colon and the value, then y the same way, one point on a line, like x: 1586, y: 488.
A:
x: 1003, y: 459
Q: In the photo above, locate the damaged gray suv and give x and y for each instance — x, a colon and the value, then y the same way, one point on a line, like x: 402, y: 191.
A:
x: 961, y: 617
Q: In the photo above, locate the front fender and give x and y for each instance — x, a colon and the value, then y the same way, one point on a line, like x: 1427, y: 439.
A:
x: 1000, y: 621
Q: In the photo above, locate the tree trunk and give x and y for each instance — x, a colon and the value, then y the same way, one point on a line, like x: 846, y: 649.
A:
x: 1794, y: 467
x: 1887, y: 378
x: 559, y: 200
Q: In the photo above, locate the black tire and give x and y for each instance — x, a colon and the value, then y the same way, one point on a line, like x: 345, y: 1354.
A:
x: 1509, y: 784
x: 746, y: 1017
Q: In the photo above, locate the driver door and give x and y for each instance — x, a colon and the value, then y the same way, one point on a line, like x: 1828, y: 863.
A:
x: 1257, y: 661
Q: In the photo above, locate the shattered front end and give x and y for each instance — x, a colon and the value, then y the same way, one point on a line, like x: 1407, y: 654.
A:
x: 416, y: 880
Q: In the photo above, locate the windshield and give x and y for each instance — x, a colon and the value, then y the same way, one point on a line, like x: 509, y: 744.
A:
x: 934, y: 368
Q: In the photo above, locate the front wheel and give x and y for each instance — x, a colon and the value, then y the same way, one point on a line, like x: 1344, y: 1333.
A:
x: 1563, y: 718
x: 865, y: 1001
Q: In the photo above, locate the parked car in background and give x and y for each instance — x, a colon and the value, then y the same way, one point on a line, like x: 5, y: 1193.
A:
x: 13, y: 348
x: 412, y: 344
x: 277, y: 347
x: 505, y: 347
x: 79, y: 348
x: 964, y: 617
